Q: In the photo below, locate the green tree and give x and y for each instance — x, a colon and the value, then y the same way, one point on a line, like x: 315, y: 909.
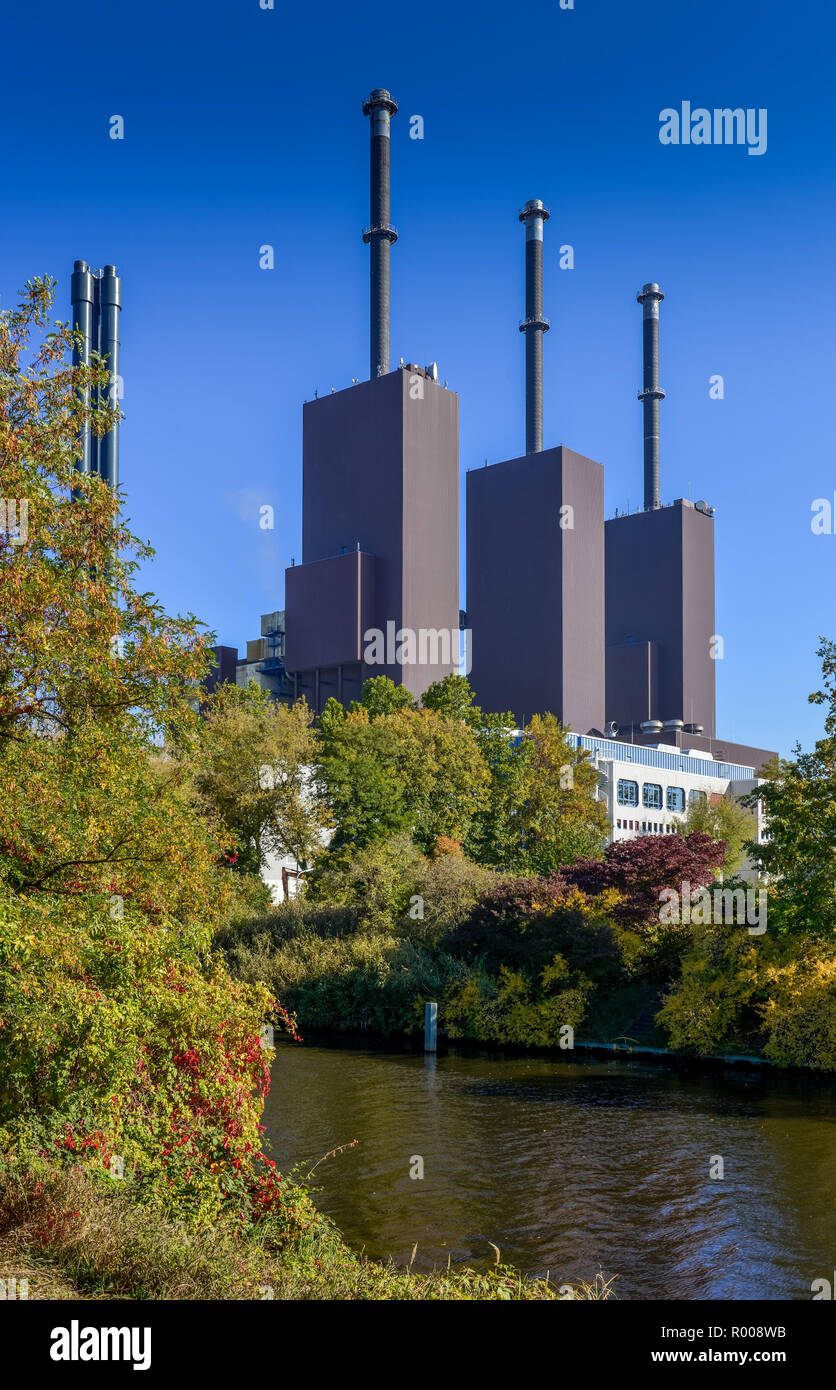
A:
x: 453, y: 698
x: 252, y: 763
x: 560, y: 817
x: 799, y: 800
x: 405, y: 770
x: 376, y: 881
x: 542, y: 811
x: 380, y: 695
x: 121, y: 1034
x: 495, y: 836
x: 444, y: 775
x: 725, y: 819
x: 93, y: 674
x: 360, y: 777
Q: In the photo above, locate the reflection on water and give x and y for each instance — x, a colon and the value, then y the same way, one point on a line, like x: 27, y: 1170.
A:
x: 571, y: 1166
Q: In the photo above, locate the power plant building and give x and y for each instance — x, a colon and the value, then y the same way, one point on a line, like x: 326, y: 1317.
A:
x: 377, y: 590
x: 609, y: 625
x: 535, y: 554
x: 380, y: 538
x: 535, y: 586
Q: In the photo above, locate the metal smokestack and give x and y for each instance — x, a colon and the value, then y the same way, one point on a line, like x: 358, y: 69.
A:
x: 110, y: 307
x: 82, y: 295
x: 650, y: 298
x: 534, y: 214
x: 96, y: 304
x: 380, y: 235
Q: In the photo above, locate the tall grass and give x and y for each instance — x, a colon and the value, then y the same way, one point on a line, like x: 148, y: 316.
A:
x: 74, y: 1237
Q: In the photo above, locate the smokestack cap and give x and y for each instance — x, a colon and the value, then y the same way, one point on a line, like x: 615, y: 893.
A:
x: 650, y: 291
x: 380, y: 97
x: 535, y: 207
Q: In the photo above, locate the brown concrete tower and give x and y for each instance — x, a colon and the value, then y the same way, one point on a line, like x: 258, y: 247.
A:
x: 660, y: 590
x: 377, y: 590
x: 535, y: 556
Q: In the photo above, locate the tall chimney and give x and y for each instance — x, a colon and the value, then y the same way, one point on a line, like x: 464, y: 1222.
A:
x: 650, y: 299
x: 534, y: 214
x: 82, y: 295
x: 110, y: 307
x: 96, y: 303
x: 379, y: 234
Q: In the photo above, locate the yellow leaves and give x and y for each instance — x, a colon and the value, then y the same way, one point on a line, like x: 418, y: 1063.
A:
x: 557, y: 970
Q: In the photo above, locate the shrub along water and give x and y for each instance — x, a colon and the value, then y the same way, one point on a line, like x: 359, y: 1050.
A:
x: 517, y: 961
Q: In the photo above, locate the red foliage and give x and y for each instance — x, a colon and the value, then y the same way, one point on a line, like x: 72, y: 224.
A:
x: 640, y: 869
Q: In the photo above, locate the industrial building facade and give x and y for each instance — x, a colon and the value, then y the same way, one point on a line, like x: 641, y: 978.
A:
x: 610, y: 625
x: 649, y: 791
x: 380, y: 535
x: 535, y: 586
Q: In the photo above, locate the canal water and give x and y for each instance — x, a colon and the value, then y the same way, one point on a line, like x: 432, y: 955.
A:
x: 572, y: 1166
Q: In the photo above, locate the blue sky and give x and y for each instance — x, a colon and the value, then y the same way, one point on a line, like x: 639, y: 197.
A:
x: 243, y: 127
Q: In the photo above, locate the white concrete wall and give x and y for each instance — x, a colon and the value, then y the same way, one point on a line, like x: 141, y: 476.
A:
x: 627, y: 822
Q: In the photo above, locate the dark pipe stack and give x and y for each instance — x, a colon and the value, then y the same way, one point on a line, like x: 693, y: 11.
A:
x: 96, y: 303
x: 650, y: 299
x: 380, y: 235
x: 534, y: 214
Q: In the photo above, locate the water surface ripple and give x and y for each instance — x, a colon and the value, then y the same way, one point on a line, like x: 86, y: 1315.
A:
x: 574, y: 1166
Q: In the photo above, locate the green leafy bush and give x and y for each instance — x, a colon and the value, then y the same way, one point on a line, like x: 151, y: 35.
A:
x: 350, y: 983
x: 772, y: 994
x: 126, y: 1047
x: 513, y: 1008
x: 375, y: 881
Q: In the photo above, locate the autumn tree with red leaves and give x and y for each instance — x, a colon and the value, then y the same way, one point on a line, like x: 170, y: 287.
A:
x: 122, y: 1037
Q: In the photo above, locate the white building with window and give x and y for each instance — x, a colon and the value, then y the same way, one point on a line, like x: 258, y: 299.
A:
x: 647, y: 791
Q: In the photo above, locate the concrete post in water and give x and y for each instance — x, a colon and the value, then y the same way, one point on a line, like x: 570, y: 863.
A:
x: 430, y: 1027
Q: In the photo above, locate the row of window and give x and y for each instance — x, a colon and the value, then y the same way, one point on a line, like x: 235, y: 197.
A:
x: 646, y: 827
x: 628, y: 795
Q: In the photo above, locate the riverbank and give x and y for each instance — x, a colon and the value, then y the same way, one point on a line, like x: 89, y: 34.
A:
x: 72, y: 1238
x: 615, y: 1048
x: 544, y: 963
